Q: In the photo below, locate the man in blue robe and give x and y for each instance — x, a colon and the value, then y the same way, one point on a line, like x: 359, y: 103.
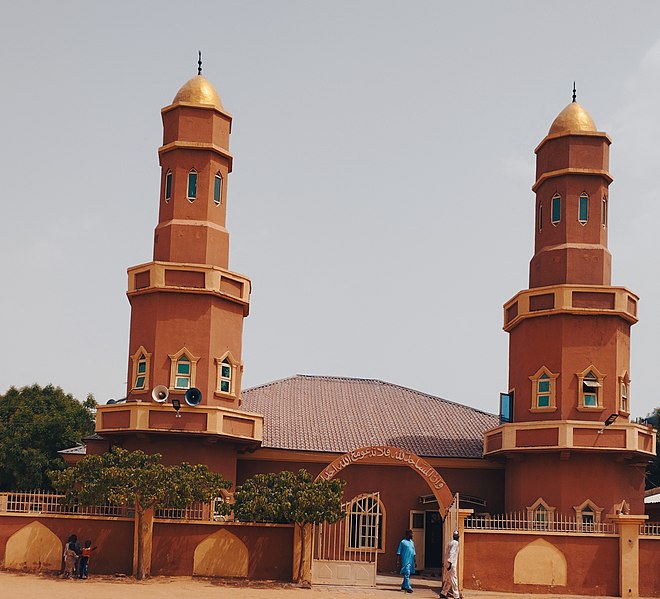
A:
x: 406, y: 560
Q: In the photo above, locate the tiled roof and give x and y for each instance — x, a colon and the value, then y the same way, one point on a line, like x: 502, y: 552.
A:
x: 322, y: 413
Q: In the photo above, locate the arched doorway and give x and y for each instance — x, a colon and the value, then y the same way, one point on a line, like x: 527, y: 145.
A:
x: 384, y: 454
x: 333, y: 564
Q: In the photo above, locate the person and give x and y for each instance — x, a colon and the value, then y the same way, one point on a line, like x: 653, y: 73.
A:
x: 71, y: 553
x: 405, y: 558
x: 451, y: 578
x: 83, y: 566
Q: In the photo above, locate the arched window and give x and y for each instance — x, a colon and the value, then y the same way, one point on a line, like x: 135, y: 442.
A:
x: 583, y: 209
x: 192, y: 185
x: 183, y: 368
x: 588, y: 515
x: 590, y: 384
x: 540, y: 515
x: 217, y: 189
x: 543, y: 390
x: 604, y: 211
x: 140, y: 361
x: 168, y: 186
x: 224, y: 376
x: 555, y: 215
x: 182, y: 380
x: 366, y: 523
x: 540, y: 217
x: 624, y: 389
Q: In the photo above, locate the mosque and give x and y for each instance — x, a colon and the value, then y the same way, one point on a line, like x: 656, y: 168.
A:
x: 561, y: 449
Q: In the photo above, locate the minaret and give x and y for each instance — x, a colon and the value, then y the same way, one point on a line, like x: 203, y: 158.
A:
x: 569, y: 345
x: 187, y: 308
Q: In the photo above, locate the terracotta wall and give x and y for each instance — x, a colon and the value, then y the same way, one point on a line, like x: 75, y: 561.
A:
x: 649, y: 567
x: 113, y: 538
x: 270, y: 548
x: 592, y: 563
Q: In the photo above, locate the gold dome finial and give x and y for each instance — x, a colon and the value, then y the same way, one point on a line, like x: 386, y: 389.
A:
x: 573, y: 118
x: 198, y: 90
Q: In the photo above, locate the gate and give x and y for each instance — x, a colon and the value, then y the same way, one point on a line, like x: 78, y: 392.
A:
x: 346, y: 552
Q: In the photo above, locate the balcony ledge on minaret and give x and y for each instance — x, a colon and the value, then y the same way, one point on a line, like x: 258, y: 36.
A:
x: 570, y: 299
x: 189, y: 278
x: 628, y: 439
x: 161, y: 418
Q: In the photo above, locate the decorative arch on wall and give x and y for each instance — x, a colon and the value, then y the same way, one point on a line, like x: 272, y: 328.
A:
x: 221, y: 554
x: 540, y: 562
x: 384, y: 454
x: 33, y: 547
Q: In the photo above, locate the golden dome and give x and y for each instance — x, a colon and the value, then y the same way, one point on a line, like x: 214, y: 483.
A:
x: 198, y: 90
x: 573, y: 118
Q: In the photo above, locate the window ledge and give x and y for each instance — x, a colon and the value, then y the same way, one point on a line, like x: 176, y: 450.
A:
x: 624, y: 413
x: 224, y: 395
x: 543, y: 409
x: 590, y: 408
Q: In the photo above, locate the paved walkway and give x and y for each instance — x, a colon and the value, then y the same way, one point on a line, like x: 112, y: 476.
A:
x: 35, y: 586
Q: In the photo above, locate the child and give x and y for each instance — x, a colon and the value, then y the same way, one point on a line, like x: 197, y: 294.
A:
x: 83, y: 568
x: 71, y: 552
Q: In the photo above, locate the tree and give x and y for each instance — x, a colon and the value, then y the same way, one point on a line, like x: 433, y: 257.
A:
x: 288, y: 497
x: 653, y: 469
x: 120, y: 477
x: 35, y: 423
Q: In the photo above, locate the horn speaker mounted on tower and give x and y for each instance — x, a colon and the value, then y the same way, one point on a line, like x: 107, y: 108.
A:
x: 193, y: 396
x: 160, y: 393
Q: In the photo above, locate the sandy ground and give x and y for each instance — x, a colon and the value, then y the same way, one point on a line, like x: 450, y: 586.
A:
x: 34, y: 586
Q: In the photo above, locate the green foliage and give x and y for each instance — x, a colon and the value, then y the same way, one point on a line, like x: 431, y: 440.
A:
x: 653, y: 469
x: 288, y: 497
x: 35, y: 423
x: 121, y: 477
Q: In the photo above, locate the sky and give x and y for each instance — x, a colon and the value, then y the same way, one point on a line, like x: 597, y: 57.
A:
x: 381, y: 197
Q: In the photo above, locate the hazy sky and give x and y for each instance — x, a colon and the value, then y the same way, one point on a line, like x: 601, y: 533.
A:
x: 381, y: 196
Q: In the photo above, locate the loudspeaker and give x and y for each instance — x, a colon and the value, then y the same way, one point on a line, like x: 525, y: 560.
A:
x: 110, y: 402
x: 193, y: 396
x: 160, y: 393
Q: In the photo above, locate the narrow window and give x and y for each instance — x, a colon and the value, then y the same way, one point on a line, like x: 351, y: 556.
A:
x: 168, y: 186
x: 217, y: 189
x: 556, y: 209
x: 588, y: 517
x: 541, y: 518
x: 506, y: 407
x: 604, y: 210
x: 141, y: 372
x: 590, y: 388
x: 543, y: 391
x: 583, y: 212
x: 182, y: 380
x: 540, y: 217
x: 365, y: 527
x: 624, y: 388
x: 192, y: 185
x: 225, y: 376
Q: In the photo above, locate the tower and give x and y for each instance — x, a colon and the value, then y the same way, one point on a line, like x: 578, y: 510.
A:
x: 565, y: 434
x: 187, y: 308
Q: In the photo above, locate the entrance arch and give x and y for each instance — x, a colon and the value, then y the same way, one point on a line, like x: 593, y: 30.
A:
x: 384, y: 454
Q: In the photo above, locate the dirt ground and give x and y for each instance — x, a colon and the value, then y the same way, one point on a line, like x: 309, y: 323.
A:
x: 35, y: 586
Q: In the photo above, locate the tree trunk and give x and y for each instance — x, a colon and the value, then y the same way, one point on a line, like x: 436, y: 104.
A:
x: 143, y: 541
x: 304, y: 572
